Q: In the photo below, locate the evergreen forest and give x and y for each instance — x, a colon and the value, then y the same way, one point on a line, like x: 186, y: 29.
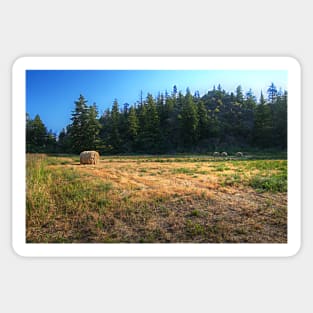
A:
x: 170, y: 123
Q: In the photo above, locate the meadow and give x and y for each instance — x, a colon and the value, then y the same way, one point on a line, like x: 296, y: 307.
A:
x: 156, y: 199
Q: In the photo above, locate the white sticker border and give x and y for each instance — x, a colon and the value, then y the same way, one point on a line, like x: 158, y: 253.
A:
x: 22, y: 248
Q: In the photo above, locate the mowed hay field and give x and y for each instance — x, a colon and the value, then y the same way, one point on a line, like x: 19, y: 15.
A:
x: 148, y: 199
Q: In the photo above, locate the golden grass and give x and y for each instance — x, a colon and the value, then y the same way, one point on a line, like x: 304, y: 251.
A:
x: 144, y: 200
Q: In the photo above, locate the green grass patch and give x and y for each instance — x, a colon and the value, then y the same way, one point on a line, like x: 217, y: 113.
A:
x: 62, y: 189
x: 269, y: 183
x: 183, y: 170
x: 189, y: 171
x: 232, y: 180
x: 71, y: 191
x: 195, y: 213
x: 264, y: 165
x: 221, y: 168
x: 194, y: 229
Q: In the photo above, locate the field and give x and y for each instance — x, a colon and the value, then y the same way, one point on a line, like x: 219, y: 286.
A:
x: 149, y: 199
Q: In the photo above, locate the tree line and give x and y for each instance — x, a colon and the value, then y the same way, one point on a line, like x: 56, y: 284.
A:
x: 170, y: 123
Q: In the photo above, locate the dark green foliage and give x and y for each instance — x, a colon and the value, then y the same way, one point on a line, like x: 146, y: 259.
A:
x: 272, y: 93
x: 203, y: 121
x: 38, y: 139
x: 132, y: 128
x: 149, y: 139
x: 274, y: 183
x: 279, y: 111
x: 84, y: 131
x: 172, y: 123
x: 114, y: 137
x: 263, y: 126
x: 189, y: 122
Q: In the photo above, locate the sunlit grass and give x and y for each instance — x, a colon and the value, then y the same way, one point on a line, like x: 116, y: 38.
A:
x: 156, y: 199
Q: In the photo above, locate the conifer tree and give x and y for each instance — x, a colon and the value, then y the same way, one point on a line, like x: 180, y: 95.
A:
x: 36, y: 135
x: 93, y: 127
x: 280, y: 121
x: 204, y: 124
x: 64, y: 141
x: 85, y: 127
x: 239, y: 94
x: 263, y: 124
x: 189, y: 121
x: 150, y: 131
x: 170, y: 123
x: 133, y: 127
x: 272, y: 93
x: 248, y: 112
x: 114, y: 133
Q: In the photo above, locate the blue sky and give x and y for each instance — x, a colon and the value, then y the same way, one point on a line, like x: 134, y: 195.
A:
x: 51, y: 93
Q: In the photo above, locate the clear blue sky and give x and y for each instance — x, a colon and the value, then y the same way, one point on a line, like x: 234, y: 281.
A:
x: 51, y: 93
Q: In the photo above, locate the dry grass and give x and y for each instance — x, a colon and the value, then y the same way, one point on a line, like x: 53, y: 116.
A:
x: 148, y: 199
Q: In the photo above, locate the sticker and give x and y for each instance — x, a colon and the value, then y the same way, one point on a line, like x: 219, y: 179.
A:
x: 156, y: 157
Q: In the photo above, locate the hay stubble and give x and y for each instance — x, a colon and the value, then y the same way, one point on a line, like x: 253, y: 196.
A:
x: 164, y: 200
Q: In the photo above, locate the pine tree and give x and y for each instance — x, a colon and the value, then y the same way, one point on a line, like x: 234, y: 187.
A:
x: 51, y: 142
x: 280, y: 128
x: 93, y: 127
x: 168, y: 125
x: 150, y: 136
x: 171, y: 123
x: 204, y: 123
x: 189, y: 121
x: 239, y: 95
x: 36, y: 135
x: 174, y: 94
x: 104, y: 134
x: 64, y: 141
x: 263, y: 129
x: 272, y: 93
x: 248, y: 110
x: 114, y: 132
x: 84, y: 130
x: 77, y: 128
x: 133, y: 127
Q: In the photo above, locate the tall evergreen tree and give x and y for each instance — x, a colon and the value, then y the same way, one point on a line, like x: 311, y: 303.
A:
x: 272, y: 93
x: 93, y: 127
x: 204, y: 121
x: 85, y: 127
x: 248, y: 112
x: 133, y: 128
x: 36, y: 135
x: 263, y: 124
x: 280, y: 121
x: 189, y: 121
x: 239, y: 94
x: 170, y: 123
x: 79, y: 142
x: 104, y: 134
x: 114, y: 132
x: 64, y: 141
x: 174, y: 94
x: 150, y: 132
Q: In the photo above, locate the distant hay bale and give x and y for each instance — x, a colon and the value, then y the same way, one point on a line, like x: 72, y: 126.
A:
x: 216, y: 154
x: 89, y: 157
x: 239, y: 154
x: 224, y: 154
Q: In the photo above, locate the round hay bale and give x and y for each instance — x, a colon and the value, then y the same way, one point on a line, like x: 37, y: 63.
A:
x: 216, y: 154
x: 224, y: 154
x: 239, y: 154
x: 89, y: 157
